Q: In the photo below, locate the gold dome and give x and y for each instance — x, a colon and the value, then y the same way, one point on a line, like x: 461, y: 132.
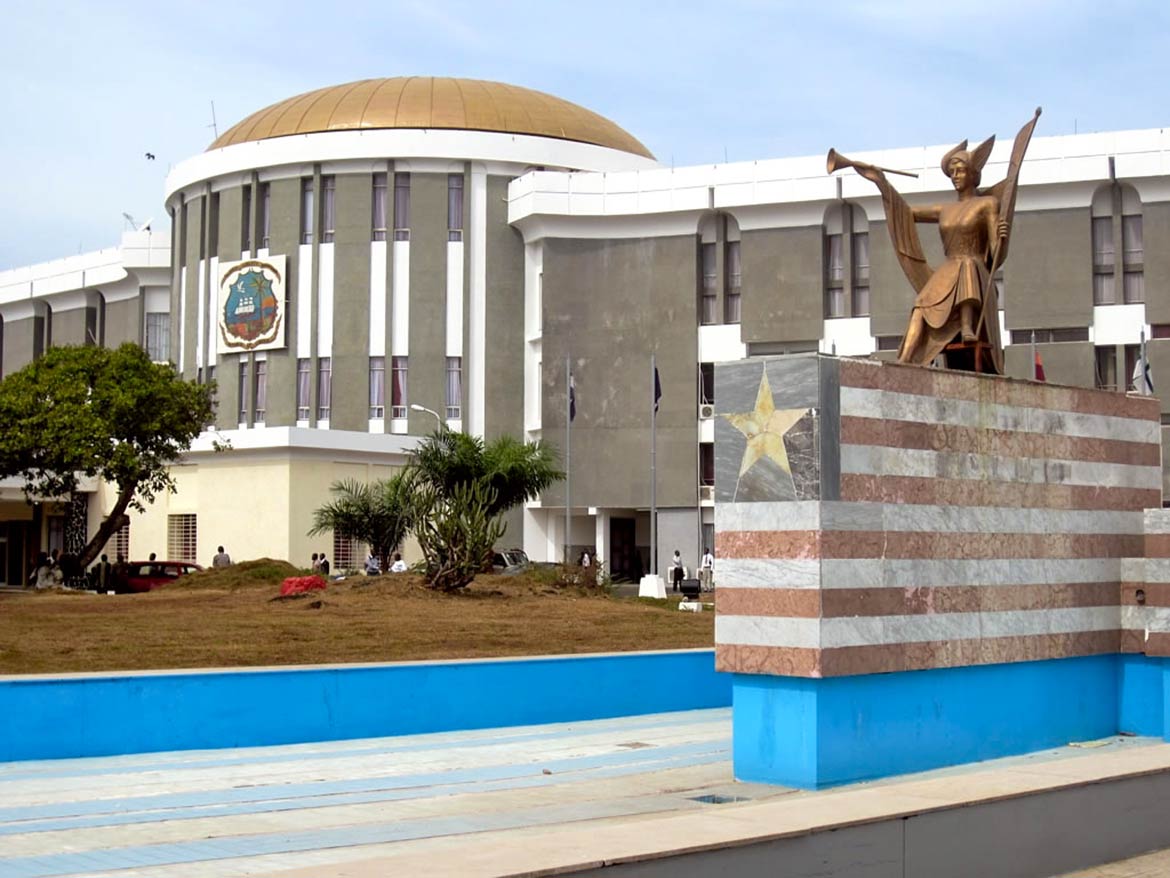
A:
x: 431, y: 102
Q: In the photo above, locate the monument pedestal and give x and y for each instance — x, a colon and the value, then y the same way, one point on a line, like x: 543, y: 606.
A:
x: 920, y: 568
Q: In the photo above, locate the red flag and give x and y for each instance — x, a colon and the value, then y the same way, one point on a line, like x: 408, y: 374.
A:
x: 1038, y: 370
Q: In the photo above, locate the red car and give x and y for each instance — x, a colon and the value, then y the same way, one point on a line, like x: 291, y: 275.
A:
x: 149, y: 575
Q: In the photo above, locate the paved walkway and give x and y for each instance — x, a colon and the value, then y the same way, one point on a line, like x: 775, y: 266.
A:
x: 477, y: 803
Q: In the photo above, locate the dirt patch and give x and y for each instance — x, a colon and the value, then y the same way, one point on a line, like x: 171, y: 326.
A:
x: 227, y: 618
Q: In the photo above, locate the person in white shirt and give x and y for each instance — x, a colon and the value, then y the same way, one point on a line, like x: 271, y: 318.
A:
x: 707, y: 570
x: 399, y: 566
x: 222, y: 559
x: 677, y: 571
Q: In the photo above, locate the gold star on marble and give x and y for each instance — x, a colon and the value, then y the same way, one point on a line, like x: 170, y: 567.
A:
x: 765, y: 428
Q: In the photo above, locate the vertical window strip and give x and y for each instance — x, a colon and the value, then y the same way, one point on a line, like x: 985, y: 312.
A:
x: 377, y: 387
x: 402, y: 207
x: 731, y: 294
x: 454, y: 388
x: 454, y: 207
x: 265, y: 214
x: 182, y: 537
x: 261, y: 406
x: 158, y: 336
x: 246, y: 219
x: 709, y: 284
x: 243, y: 390
x: 328, y: 208
x: 307, y: 210
x: 378, y: 221
x: 324, y: 387
x: 303, y: 389
x: 399, y: 400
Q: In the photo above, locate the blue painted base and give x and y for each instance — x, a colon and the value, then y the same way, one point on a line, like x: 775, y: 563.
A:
x: 814, y: 733
x: 104, y: 714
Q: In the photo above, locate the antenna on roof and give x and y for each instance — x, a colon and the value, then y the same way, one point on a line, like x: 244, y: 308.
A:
x: 214, y: 126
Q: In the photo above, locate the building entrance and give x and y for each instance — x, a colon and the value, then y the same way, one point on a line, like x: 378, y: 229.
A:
x: 621, y: 549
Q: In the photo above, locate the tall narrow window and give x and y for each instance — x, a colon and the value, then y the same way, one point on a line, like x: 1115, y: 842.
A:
x: 860, y: 274
x: 158, y: 336
x: 454, y: 207
x: 265, y: 214
x: 834, y: 276
x: 243, y: 391
x: 398, y: 397
x: 307, y: 211
x: 1132, y: 352
x: 454, y: 388
x: 213, y: 226
x: 328, y: 209
x: 303, y: 377
x: 708, y: 291
x: 706, y: 383
x: 1107, y: 368
x: 734, y: 284
x: 402, y: 207
x: 377, y: 387
x: 1103, y: 259
x: 261, y: 396
x: 1132, y: 259
x: 706, y: 463
x: 246, y: 218
x: 324, y: 387
x: 378, y: 221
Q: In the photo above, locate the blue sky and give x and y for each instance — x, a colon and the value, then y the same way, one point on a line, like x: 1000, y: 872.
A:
x: 90, y: 87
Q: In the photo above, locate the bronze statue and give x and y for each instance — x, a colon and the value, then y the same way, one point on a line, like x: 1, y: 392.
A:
x: 955, y: 308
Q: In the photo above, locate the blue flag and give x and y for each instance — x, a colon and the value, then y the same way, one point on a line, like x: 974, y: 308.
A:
x: 657, y: 390
x: 572, y: 397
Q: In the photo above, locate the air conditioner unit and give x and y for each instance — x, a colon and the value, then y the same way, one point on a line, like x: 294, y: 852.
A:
x: 706, y: 411
x: 706, y: 493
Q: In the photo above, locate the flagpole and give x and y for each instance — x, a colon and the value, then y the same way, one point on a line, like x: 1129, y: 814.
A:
x: 568, y: 448
x: 1033, y: 355
x: 653, y: 476
x: 1145, y: 367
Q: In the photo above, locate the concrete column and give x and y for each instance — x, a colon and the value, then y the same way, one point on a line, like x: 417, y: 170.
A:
x: 601, y: 534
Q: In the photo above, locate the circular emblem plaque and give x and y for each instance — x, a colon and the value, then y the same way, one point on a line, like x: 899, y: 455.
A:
x: 251, y: 312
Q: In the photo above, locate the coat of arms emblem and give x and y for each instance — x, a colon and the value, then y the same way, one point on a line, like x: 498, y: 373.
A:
x: 251, y: 314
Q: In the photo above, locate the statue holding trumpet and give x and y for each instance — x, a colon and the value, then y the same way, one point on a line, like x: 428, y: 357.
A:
x: 955, y: 308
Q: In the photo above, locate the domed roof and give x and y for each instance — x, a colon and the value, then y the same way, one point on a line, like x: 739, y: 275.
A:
x: 431, y: 102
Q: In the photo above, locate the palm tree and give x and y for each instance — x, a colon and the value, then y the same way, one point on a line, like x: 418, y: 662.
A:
x: 516, y: 471
x: 378, y: 514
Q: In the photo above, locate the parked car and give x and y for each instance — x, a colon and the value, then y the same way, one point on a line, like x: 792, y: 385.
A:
x: 509, y: 561
x: 148, y: 575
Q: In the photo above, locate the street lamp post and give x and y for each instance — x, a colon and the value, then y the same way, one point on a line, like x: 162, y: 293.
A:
x: 415, y: 407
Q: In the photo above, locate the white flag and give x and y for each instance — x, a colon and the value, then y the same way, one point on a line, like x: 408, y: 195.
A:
x: 1142, y: 381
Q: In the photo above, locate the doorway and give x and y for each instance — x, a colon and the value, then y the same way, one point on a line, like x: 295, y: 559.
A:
x: 621, y: 550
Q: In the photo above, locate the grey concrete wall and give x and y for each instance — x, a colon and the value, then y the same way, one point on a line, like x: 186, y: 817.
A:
x: 1070, y: 362
x: 69, y: 327
x: 891, y: 295
x: 678, y: 529
x: 351, y: 303
x: 783, y: 284
x: 1156, y: 231
x: 427, y: 377
x: 19, y: 344
x: 1048, y: 278
x: 504, y: 396
x: 609, y: 303
x: 124, y: 323
x: 282, y: 365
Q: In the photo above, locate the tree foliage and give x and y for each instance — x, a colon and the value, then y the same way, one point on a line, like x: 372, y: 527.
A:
x: 99, y: 413
x: 456, y: 532
x: 515, y: 471
x: 378, y: 514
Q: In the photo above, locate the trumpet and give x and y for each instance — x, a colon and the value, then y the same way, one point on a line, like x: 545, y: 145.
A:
x: 834, y: 161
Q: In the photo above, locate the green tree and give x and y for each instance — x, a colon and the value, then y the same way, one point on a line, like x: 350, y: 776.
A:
x: 515, y: 471
x: 378, y: 514
x: 99, y: 413
x: 456, y: 532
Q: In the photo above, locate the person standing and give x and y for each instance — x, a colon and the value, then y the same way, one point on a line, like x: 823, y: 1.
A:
x: 221, y: 559
x: 323, y: 565
x: 676, y: 570
x: 316, y: 564
x: 707, y: 570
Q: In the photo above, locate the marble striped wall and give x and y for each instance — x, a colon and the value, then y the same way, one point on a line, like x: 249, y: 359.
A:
x: 1145, y: 591
x: 872, y: 517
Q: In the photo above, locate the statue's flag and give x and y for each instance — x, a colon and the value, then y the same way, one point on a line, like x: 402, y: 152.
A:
x: 1143, y: 381
x: 572, y: 397
x: 657, y: 390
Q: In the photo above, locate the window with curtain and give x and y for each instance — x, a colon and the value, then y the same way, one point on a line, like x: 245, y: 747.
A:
x: 324, y: 387
x: 307, y: 211
x: 860, y: 292
x: 378, y: 222
x: 1132, y: 259
x: 243, y: 391
x: 454, y: 207
x: 454, y: 388
x: 708, y: 292
x: 303, y: 376
x: 398, y: 397
x: 158, y: 336
x: 402, y: 207
x: 377, y: 387
x: 328, y: 208
x: 261, y: 407
x: 1103, y: 259
x: 733, y: 287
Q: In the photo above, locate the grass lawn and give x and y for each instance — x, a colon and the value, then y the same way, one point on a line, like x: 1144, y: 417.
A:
x: 234, y: 618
